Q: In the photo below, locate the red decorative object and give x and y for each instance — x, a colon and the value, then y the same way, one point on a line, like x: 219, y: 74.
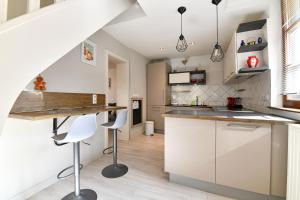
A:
x: 252, y: 61
x: 40, y: 84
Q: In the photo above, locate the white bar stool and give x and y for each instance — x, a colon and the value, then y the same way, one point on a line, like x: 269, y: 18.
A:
x: 82, y: 128
x: 116, y: 170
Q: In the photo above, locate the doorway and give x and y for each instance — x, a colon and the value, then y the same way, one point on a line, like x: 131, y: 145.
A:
x: 117, y: 91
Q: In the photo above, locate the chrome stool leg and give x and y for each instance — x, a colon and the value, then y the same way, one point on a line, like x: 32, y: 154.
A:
x: 78, y: 194
x: 115, y: 170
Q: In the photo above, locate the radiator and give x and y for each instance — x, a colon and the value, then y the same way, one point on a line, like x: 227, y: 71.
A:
x: 293, y: 179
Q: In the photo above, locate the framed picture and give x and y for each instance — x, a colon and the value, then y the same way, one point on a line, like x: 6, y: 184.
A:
x: 88, y: 52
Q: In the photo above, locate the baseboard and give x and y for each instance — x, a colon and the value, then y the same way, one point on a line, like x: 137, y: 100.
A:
x: 35, y: 189
x: 220, y: 189
x: 159, y: 131
x: 44, y: 184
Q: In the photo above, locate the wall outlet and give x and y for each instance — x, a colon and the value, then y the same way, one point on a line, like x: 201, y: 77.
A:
x: 94, y: 99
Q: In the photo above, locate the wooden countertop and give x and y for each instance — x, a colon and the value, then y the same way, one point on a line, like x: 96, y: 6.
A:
x: 242, y: 116
x: 63, y: 112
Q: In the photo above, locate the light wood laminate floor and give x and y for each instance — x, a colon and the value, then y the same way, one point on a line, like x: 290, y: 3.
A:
x: 145, y: 180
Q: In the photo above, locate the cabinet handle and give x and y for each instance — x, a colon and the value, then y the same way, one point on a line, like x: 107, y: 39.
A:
x: 163, y: 96
x: 246, y: 126
x: 155, y: 108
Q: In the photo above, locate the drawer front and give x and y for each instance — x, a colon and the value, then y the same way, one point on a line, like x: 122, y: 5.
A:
x: 243, y: 156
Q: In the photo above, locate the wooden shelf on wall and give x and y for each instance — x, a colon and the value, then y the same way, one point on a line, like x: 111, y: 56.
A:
x: 251, y: 26
x: 252, y: 70
x: 255, y: 47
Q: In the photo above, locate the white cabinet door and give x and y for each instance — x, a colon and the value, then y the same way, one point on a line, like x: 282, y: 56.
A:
x: 190, y: 148
x: 176, y: 78
x: 243, y: 153
x: 230, y: 60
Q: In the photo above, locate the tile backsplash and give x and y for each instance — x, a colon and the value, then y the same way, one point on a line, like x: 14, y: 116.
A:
x: 214, y: 95
x: 256, y: 94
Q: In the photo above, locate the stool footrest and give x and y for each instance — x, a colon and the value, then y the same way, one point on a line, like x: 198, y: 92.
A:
x: 59, y: 175
x: 105, y: 151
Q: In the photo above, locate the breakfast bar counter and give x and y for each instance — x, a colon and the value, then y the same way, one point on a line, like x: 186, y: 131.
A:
x: 63, y: 112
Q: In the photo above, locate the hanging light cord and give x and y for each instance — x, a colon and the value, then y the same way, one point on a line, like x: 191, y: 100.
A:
x: 181, y: 24
x: 217, y: 24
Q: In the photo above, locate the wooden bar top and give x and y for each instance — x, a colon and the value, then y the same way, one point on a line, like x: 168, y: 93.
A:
x: 250, y: 116
x: 63, y: 112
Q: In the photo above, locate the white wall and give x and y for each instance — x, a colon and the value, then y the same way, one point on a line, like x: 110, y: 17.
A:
x: 138, y: 86
x: 29, y: 159
x: 275, y: 51
x: 265, y: 89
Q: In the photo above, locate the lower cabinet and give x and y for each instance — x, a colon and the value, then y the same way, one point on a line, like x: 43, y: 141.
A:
x: 190, y: 148
x: 154, y: 113
x: 243, y: 156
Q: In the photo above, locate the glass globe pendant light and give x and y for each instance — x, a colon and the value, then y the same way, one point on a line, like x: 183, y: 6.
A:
x: 181, y: 44
x: 217, y: 54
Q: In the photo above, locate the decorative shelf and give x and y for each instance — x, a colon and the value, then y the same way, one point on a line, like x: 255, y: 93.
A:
x: 253, y: 70
x: 255, y: 47
x: 251, y: 26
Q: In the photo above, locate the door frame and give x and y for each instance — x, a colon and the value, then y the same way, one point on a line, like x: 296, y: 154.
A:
x: 126, y: 62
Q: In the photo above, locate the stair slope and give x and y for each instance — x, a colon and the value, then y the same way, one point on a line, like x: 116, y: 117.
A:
x: 31, y: 43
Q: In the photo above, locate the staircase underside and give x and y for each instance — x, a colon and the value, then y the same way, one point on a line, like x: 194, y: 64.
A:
x: 31, y: 43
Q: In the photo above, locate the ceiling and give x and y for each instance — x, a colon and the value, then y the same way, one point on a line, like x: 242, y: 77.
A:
x: 151, y: 25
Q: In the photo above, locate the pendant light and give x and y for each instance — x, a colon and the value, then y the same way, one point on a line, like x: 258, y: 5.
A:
x: 181, y: 44
x: 217, y: 54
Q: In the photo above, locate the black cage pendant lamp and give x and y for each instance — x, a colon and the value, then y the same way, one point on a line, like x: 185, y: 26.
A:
x: 217, y: 55
x: 181, y: 44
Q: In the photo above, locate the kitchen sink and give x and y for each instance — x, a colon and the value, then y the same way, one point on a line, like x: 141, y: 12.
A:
x: 201, y: 108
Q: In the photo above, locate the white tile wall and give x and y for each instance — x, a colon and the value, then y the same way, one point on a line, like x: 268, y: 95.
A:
x: 215, y: 95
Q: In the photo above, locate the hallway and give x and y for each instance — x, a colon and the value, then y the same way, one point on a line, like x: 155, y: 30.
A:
x: 144, y: 181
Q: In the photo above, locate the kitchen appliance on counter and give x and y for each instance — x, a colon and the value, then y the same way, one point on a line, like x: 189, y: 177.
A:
x: 234, y: 103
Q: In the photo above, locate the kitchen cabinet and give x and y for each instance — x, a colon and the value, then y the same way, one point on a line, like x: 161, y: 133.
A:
x: 243, y: 156
x: 155, y: 114
x: 158, y: 93
x: 230, y: 60
x: 158, y: 90
x: 179, y: 78
x: 190, y: 148
x: 188, y: 77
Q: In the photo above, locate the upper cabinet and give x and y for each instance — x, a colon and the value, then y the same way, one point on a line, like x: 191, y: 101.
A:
x: 187, y: 78
x: 247, y: 53
x: 179, y: 78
